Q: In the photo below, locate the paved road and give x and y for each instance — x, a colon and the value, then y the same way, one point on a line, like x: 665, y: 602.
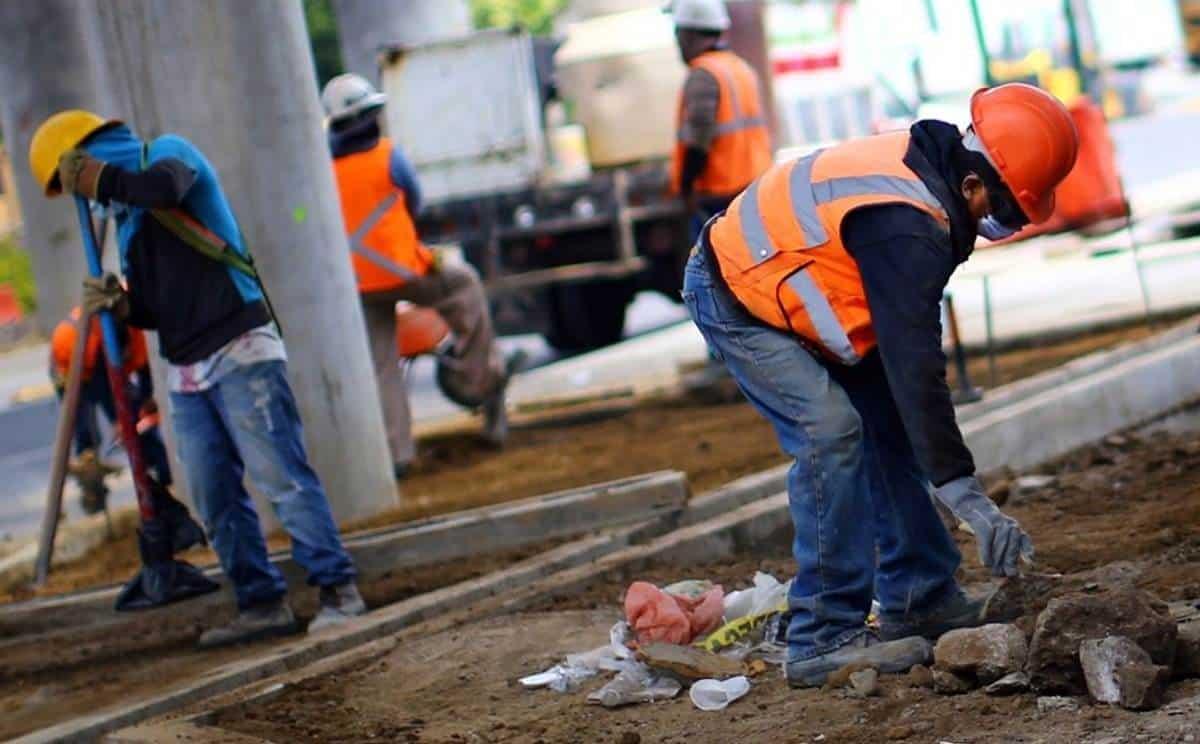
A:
x: 1044, y: 283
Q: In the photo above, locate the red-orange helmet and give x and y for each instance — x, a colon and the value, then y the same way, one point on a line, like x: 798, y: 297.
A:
x: 1030, y: 139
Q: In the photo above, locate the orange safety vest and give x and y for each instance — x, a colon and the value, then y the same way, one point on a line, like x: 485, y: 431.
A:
x: 384, y: 246
x: 62, y: 343
x: 779, y: 245
x: 741, y: 149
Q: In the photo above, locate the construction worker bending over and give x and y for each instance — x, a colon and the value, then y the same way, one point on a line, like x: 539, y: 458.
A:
x: 820, y: 289
x: 190, y: 278
x: 95, y: 395
x: 379, y: 196
x: 723, y: 141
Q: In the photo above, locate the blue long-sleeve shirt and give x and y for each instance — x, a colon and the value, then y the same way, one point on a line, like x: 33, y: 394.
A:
x: 363, y: 135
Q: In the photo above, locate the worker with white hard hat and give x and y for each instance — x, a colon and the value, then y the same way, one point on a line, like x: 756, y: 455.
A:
x: 722, y: 138
x: 442, y: 308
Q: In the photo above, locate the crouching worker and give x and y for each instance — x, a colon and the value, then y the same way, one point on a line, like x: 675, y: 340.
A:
x: 379, y: 197
x: 88, y: 468
x: 190, y: 278
x: 819, y: 287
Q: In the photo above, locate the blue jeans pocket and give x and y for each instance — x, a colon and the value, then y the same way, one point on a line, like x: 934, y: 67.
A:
x: 701, y: 307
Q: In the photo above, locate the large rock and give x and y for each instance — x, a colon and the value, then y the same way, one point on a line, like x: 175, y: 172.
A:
x: 1143, y: 686
x: 984, y: 654
x: 1187, y: 651
x: 1067, y: 622
x: 1021, y: 595
x: 1101, y: 661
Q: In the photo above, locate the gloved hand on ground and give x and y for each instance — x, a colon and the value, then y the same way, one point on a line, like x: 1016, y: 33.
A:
x: 105, y: 293
x: 1000, y: 539
x: 80, y: 173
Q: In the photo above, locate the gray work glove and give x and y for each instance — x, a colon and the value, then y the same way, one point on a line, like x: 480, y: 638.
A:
x: 105, y: 293
x: 1000, y: 538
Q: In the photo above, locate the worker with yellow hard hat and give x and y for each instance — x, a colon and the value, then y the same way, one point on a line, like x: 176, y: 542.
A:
x: 190, y: 277
x: 820, y: 289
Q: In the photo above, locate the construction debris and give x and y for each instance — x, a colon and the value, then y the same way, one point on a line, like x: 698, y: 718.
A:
x: 1056, y: 703
x: 1010, y: 684
x: 1142, y: 685
x: 687, y: 663
x: 949, y: 683
x: 715, y: 694
x: 984, y: 654
x: 1102, y: 660
x: 865, y: 683
x: 1069, y: 621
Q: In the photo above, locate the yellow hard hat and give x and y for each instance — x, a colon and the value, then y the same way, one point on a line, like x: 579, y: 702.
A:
x: 63, y: 131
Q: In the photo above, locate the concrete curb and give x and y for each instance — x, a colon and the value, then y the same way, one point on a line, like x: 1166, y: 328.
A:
x: 1057, y: 420
x: 447, y: 537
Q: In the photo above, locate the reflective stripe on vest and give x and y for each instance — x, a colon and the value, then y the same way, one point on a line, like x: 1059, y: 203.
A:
x: 358, y: 247
x: 779, y: 248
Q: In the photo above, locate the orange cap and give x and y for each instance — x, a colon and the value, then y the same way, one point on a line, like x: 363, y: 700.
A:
x: 1030, y: 139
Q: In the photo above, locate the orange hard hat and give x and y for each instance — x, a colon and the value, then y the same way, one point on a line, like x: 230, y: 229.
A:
x: 1030, y: 139
x: 419, y: 330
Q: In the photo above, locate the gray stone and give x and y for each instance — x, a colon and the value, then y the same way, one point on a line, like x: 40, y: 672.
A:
x: 1021, y: 595
x: 949, y: 683
x: 986, y: 653
x: 920, y: 676
x: 1009, y: 684
x: 1187, y: 650
x: 1028, y: 485
x: 1055, y: 703
x: 1067, y: 622
x: 865, y: 683
x: 1143, y: 686
x: 1101, y: 660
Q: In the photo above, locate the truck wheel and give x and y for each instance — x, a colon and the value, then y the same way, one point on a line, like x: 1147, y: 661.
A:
x: 588, y: 315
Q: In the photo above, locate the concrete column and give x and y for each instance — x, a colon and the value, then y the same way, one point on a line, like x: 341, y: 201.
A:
x: 46, y: 65
x: 366, y: 25
x: 237, y: 79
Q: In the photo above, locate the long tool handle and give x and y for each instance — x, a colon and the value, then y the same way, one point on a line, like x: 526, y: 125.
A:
x: 116, y: 379
x: 67, y: 415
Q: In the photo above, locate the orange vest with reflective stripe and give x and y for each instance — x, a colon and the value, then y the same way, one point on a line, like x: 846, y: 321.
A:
x: 62, y: 343
x: 369, y: 196
x: 741, y: 149
x: 779, y: 244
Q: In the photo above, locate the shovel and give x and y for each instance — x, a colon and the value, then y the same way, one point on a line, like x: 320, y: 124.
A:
x: 166, y: 526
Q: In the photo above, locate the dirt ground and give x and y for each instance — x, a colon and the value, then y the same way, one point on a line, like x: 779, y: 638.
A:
x: 713, y: 444
x: 1129, y: 507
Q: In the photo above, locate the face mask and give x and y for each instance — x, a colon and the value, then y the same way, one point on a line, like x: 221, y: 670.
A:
x: 992, y: 229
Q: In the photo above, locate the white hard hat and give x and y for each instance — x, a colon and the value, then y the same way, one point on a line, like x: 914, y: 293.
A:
x: 700, y: 15
x: 349, y: 95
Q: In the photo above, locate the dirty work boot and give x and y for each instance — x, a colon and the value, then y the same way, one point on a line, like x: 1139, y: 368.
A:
x: 889, y: 657
x: 956, y: 611
x: 252, y: 624
x: 338, y: 604
x: 495, y: 414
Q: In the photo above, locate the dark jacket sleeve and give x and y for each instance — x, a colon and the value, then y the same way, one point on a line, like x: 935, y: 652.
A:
x: 905, y: 261
x: 161, y: 186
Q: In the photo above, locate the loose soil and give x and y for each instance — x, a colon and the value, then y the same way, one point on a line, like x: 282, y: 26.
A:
x: 1124, y: 510
x: 713, y: 444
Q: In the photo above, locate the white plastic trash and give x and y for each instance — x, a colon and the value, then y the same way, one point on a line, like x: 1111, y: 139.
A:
x: 716, y: 694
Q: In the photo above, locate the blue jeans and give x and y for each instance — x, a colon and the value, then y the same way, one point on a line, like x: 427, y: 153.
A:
x: 864, y: 520
x: 248, y: 425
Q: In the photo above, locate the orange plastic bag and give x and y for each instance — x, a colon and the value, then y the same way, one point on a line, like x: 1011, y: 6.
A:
x: 655, y: 615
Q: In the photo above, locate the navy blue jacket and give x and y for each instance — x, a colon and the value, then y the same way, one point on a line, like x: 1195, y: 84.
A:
x: 906, y: 258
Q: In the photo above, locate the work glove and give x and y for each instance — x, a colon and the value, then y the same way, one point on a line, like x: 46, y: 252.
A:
x: 1000, y: 539
x: 105, y: 293
x: 79, y: 173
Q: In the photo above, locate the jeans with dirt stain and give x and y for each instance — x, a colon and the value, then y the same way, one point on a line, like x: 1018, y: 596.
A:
x: 247, y: 426
x: 864, y: 520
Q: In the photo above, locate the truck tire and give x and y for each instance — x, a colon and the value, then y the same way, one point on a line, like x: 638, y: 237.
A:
x: 588, y: 315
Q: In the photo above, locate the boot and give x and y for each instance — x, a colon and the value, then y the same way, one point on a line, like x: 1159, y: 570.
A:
x: 495, y: 412
x: 889, y: 657
x: 338, y: 605
x: 956, y: 611
x: 255, y: 623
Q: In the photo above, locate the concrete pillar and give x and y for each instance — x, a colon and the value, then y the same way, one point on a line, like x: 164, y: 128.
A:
x: 366, y: 25
x: 46, y: 65
x: 237, y: 79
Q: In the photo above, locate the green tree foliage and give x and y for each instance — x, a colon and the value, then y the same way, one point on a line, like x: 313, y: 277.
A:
x: 323, y: 35
x: 16, y: 270
x: 535, y: 15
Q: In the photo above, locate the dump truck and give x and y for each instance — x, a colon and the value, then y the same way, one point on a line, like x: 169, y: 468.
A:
x: 545, y: 162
